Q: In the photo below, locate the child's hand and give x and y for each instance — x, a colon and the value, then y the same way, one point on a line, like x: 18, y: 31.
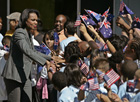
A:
x: 108, y: 90
x: 91, y: 28
x: 128, y: 17
x: 83, y: 80
x: 125, y: 100
x: 83, y: 28
x: 115, y: 98
x: 103, y: 98
x: 119, y: 20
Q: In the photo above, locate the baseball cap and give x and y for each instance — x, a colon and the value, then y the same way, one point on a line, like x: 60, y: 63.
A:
x: 14, y: 15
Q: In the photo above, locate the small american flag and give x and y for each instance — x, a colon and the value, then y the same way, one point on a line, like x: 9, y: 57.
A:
x: 93, y: 83
x: 111, y: 77
x: 78, y: 21
x: 85, y: 69
x: 101, y: 74
x: 85, y: 86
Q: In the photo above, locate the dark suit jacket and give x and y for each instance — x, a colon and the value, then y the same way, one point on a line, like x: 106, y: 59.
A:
x: 22, y: 54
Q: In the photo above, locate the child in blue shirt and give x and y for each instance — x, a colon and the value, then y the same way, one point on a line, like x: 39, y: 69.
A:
x: 136, y: 98
x: 128, y: 70
x: 60, y: 83
x: 101, y: 64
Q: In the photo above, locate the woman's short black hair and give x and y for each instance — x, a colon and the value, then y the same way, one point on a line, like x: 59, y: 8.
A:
x: 25, y: 15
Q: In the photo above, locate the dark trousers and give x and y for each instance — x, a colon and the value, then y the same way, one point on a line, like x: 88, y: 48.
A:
x: 18, y: 92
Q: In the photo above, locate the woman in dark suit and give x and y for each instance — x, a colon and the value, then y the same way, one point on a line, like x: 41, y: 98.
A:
x: 17, y: 71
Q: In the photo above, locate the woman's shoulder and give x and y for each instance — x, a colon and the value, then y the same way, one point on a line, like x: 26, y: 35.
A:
x: 20, y: 30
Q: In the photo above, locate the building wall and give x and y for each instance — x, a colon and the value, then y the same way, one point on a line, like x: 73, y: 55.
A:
x: 45, y: 7
x: 3, y: 13
x: 49, y: 9
x: 132, y: 4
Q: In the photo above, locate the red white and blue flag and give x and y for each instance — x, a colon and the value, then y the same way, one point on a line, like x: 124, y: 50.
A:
x: 124, y: 9
x: 43, y: 49
x: 78, y: 21
x: 56, y: 40
x: 136, y: 23
x: 105, y: 29
x: 104, y: 48
x: 111, y: 77
x: 93, y: 15
x: 93, y: 83
x: 101, y: 74
x: 130, y: 86
x: 85, y: 86
x: 105, y: 14
x: 84, y: 68
x: 87, y: 20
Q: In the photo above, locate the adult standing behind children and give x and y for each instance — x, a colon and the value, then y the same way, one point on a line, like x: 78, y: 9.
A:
x: 17, y: 71
x: 59, y: 27
x: 69, y: 30
x: 14, y: 19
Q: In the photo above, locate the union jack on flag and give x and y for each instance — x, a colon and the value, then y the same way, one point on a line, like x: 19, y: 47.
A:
x: 105, y: 29
x: 87, y: 21
x: 43, y: 49
x: 122, y: 5
x: 104, y: 48
x: 111, y: 77
x: 130, y: 86
x: 85, y: 69
x: 105, y: 14
x: 136, y: 23
x: 93, y: 15
x: 124, y: 9
x: 78, y: 21
x: 93, y: 83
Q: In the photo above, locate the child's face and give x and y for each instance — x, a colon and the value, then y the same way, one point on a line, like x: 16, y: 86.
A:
x: 100, y: 79
x: 137, y: 80
x: 48, y: 41
x: 7, y: 42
